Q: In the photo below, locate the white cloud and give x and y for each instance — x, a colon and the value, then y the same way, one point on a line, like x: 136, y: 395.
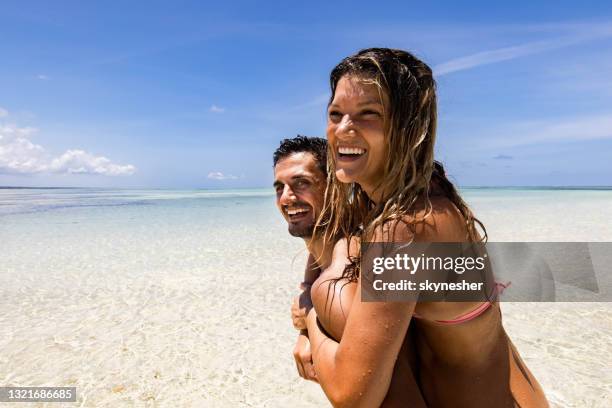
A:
x: 217, y: 175
x: 42, y: 77
x: 3, y: 113
x: 79, y: 161
x: 492, y: 56
x: 18, y: 155
x: 217, y: 109
x: 578, y: 34
x: 557, y: 130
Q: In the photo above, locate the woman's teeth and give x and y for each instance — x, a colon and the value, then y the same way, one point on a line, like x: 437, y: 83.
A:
x: 297, y: 211
x: 351, y: 150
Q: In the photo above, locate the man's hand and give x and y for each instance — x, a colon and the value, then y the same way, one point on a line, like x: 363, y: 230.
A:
x: 303, y: 357
x: 300, y: 307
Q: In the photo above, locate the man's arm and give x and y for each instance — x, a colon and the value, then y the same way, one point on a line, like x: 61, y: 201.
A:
x: 303, y: 357
x: 302, y: 302
x: 312, y: 270
x: 300, y: 308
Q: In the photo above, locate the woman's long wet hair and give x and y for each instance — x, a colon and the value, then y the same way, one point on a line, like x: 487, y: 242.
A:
x: 411, y: 173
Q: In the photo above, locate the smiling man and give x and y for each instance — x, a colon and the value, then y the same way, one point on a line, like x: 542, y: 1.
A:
x: 300, y: 177
x: 300, y: 174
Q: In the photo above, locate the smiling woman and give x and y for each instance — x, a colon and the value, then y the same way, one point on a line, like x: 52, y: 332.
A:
x: 356, y: 131
x: 385, y: 186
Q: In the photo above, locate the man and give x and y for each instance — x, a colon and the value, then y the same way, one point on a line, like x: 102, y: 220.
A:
x: 300, y: 175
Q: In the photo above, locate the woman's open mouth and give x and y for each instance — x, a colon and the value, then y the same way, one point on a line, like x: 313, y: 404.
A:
x: 348, y: 154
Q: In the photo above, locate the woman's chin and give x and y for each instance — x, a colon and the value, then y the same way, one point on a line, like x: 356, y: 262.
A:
x: 344, y: 176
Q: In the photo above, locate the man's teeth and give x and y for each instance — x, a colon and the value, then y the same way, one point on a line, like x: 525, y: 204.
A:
x: 351, y: 150
x: 296, y: 211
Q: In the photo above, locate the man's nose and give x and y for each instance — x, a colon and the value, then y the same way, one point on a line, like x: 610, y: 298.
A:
x: 288, y: 196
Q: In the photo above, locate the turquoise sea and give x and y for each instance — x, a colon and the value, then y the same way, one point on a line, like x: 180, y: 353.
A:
x: 181, y: 297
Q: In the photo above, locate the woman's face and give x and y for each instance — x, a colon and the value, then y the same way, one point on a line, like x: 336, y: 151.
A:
x: 356, y: 134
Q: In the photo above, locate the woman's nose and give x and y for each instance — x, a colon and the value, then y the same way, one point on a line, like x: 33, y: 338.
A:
x: 345, y: 125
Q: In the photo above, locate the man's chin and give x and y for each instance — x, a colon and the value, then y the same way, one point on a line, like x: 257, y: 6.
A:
x: 300, y: 231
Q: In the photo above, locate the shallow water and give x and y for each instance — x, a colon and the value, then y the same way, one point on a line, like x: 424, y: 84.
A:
x: 181, y: 298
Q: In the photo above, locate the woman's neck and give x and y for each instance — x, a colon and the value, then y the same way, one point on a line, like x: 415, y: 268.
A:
x: 374, y: 194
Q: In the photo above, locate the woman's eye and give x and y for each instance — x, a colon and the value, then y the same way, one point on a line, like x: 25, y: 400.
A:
x: 335, y: 115
x: 370, y: 113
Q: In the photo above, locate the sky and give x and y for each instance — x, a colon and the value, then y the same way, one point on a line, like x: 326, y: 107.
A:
x: 198, y: 95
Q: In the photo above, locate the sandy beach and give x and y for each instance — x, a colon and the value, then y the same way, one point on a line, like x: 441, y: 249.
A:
x: 162, y: 298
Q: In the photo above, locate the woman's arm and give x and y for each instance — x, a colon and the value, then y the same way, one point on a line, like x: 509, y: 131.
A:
x: 333, y: 300
x: 357, y: 371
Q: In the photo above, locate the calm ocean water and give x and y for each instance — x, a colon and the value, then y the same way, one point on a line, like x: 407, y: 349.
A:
x: 26, y: 200
x: 35, y: 223
x: 528, y: 213
x: 182, y: 297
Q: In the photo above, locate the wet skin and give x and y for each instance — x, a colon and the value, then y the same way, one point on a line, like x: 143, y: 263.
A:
x: 465, y: 365
x: 332, y: 298
x: 299, y: 185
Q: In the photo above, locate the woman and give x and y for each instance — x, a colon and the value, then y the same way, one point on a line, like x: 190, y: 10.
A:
x: 384, y: 186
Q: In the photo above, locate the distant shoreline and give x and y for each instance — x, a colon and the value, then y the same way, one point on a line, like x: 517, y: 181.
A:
x: 38, y: 188
x: 603, y: 188
x: 552, y: 188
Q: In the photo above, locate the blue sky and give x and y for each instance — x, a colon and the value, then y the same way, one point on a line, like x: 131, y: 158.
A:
x: 195, y: 95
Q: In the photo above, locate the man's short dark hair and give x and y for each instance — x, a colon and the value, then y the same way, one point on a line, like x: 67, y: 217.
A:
x: 315, y: 145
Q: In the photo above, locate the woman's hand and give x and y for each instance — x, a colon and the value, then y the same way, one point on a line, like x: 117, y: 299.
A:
x: 300, y: 307
x: 303, y: 357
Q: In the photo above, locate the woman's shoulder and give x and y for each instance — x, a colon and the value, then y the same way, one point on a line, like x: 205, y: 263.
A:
x: 441, y: 221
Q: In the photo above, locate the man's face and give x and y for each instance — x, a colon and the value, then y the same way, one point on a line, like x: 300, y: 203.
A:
x: 300, y: 186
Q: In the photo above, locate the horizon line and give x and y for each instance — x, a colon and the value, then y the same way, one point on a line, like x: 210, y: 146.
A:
x: 552, y: 186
